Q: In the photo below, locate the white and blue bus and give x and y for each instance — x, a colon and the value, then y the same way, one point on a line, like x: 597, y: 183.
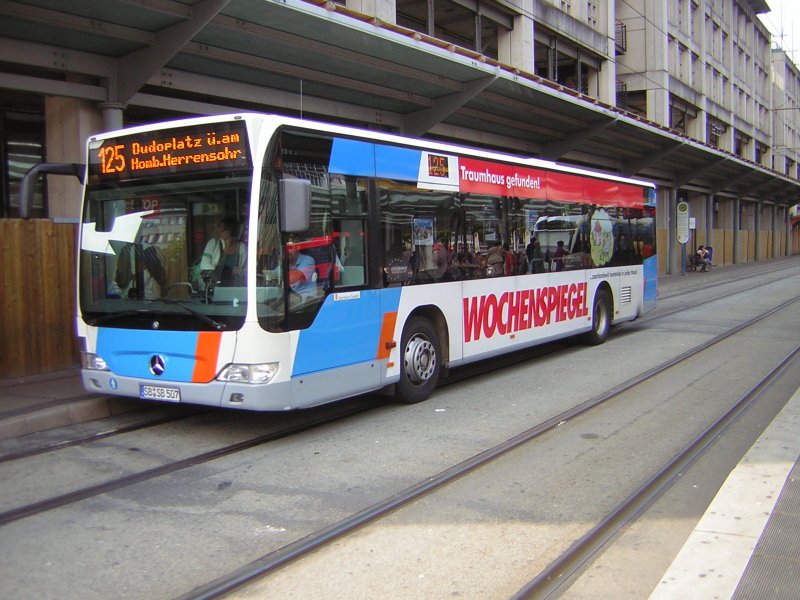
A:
x: 267, y: 263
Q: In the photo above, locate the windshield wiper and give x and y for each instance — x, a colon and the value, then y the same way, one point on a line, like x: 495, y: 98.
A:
x: 203, y: 317
x: 149, y: 313
x: 114, y: 316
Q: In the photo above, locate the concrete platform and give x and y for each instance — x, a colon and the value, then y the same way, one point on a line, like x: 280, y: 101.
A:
x: 42, y: 402
x: 747, y: 544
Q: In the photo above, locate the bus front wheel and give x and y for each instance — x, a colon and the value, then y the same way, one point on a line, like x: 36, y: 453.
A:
x: 421, y: 361
x: 601, y: 318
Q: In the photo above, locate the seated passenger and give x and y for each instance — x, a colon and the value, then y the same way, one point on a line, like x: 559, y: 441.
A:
x: 700, y: 258
x: 301, y: 270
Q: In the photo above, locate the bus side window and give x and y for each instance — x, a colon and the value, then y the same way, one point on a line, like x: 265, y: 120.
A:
x: 351, y: 251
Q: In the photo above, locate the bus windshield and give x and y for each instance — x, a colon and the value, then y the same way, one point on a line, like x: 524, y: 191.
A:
x: 169, y: 252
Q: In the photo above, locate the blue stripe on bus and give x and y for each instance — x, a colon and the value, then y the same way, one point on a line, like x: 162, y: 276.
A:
x: 365, y: 159
x: 650, y: 274
x: 352, y: 157
x: 128, y: 352
x: 392, y: 162
x: 345, y: 332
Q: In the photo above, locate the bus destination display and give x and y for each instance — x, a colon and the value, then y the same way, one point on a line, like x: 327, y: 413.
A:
x: 208, y: 147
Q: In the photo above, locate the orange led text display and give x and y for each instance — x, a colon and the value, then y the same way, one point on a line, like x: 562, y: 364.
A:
x: 198, y: 148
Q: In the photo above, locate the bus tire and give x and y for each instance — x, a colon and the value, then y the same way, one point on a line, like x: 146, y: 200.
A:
x: 421, y: 356
x: 601, y: 318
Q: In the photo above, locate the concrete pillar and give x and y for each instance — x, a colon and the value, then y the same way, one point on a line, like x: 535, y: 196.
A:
x: 673, y: 247
x: 112, y: 115
x: 736, y: 237
x: 757, y: 225
x: 776, y: 248
x: 607, y: 77
x: 515, y: 47
x: 380, y: 9
x: 657, y: 56
x: 69, y: 122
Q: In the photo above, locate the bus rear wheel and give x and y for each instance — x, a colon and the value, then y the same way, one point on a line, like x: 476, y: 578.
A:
x: 601, y: 318
x: 421, y: 368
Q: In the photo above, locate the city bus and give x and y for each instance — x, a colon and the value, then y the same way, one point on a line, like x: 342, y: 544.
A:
x: 261, y: 262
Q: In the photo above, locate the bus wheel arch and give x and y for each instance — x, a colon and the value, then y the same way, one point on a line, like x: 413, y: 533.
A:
x: 423, y: 355
x: 602, y: 315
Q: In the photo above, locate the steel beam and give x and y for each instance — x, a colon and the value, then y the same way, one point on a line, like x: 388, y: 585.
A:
x: 136, y: 68
x: 418, y: 123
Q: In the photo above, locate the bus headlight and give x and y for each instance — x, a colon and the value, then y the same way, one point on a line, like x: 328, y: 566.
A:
x: 238, y: 373
x: 93, y: 361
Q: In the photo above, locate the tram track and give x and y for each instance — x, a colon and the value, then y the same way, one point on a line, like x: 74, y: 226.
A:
x: 560, y: 572
x: 710, y: 284
x: 52, y: 446
x: 457, y: 375
x: 84, y: 493
x: 576, y: 555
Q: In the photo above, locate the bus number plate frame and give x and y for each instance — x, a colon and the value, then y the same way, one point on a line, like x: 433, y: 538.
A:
x: 159, y: 392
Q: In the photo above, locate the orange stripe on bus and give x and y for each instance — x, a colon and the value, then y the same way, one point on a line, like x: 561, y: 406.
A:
x: 206, y: 353
x: 386, y: 342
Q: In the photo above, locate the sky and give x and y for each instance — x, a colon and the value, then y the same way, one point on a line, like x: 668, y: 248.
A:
x: 784, y: 23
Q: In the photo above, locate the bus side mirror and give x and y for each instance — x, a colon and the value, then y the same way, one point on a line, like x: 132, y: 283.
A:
x: 295, y: 204
x: 28, y: 183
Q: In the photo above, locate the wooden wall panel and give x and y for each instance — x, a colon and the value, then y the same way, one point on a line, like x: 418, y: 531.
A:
x: 37, y: 297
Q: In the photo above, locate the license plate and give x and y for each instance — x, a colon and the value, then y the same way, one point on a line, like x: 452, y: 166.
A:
x: 158, y: 392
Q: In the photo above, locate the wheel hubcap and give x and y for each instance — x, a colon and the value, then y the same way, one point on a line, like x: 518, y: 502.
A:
x: 420, y: 360
x: 600, y: 318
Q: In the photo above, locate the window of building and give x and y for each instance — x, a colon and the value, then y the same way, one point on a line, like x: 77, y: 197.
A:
x: 682, y: 115
x: 591, y: 13
x: 760, y: 153
x: 620, y: 37
x: 715, y: 131
x: 22, y: 134
x: 558, y: 60
x: 471, y: 25
x: 740, y: 144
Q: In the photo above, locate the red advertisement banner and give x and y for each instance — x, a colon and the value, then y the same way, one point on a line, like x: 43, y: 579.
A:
x: 500, y: 179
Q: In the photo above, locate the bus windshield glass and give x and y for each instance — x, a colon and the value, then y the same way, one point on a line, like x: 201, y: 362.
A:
x: 166, y: 252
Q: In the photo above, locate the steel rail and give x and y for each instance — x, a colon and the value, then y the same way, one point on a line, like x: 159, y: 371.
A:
x: 749, y: 273
x: 96, y: 436
x: 34, y: 508
x: 304, y: 546
x: 561, y: 571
